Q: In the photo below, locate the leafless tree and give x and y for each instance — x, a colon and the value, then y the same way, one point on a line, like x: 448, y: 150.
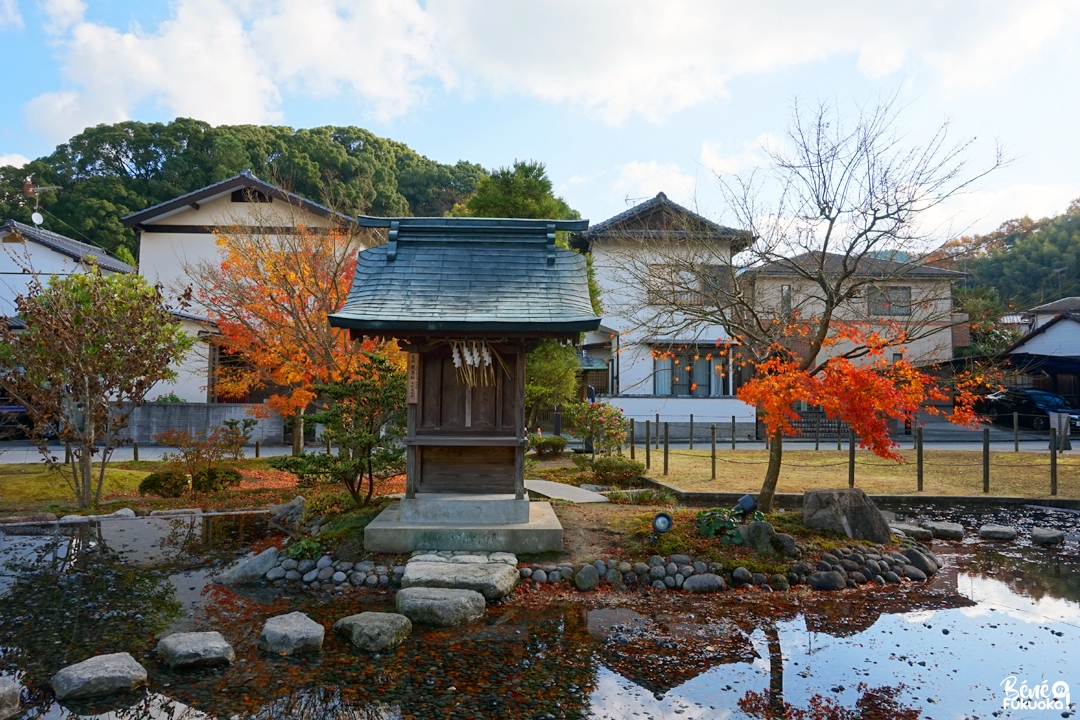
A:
x: 835, y: 232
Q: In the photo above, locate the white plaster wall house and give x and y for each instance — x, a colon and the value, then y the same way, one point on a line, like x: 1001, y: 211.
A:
x: 181, y: 233
x: 1049, y: 357
x: 696, y: 381
x: 29, y: 250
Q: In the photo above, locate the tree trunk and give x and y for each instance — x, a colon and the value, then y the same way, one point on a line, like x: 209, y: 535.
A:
x: 768, y: 487
x: 84, y: 483
x: 371, y: 481
x: 298, y: 433
x: 776, y: 672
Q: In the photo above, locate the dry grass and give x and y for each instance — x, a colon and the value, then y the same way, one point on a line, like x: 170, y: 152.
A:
x: 946, y: 472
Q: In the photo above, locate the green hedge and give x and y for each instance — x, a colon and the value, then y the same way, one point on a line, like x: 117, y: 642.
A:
x: 166, y: 484
x: 617, y: 471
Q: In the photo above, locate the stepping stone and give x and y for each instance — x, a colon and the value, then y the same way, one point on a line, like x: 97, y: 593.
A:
x: 100, y: 675
x: 374, y: 631
x: 441, y: 607
x: 562, y: 491
x: 429, y: 557
x: 465, y: 559
x: 1047, y: 536
x: 945, y: 530
x: 492, y: 580
x: 291, y: 634
x: 10, y: 694
x: 503, y: 557
x: 997, y: 532
x: 912, y: 531
x: 195, y: 649
x: 249, y: 570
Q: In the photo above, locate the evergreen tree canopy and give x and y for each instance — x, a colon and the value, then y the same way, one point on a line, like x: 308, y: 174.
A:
x: 521, y: 191
x: 109, y: 171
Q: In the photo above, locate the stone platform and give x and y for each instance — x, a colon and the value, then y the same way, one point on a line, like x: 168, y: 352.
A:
x: 388, y: 533
x: 458, y: 508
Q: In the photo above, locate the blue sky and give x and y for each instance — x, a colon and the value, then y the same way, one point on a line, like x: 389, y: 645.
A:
x: 619, y: 99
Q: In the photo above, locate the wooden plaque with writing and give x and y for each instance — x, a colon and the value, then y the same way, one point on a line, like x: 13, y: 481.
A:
x: 412, y: 392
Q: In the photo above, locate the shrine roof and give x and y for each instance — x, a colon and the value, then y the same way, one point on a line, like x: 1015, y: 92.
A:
x: 465, y: 275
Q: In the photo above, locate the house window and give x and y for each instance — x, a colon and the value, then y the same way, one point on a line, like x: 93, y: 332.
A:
x: 889, y: 301
x: 673, y: 285
x: 690, y: 374
x: 785, y: 299
x: 250, y: 195
x: 897, y: 357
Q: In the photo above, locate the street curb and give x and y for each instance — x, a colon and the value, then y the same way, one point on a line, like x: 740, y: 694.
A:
x: 886, y: 502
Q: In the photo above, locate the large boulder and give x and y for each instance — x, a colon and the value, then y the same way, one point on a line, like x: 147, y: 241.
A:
x: 250, y: 569
x: 762, y: 537
x: 291, y: 634
x: 10, y: 694
x: 195, y: 649
x: 374, y: 631
x: 441, y: 607
x: 100, y: 675
x: 847, y: 511
x: 492, y: 580
x: 921, y: 560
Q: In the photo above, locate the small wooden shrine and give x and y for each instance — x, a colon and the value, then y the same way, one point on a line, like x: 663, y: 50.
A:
x: 467, y: 299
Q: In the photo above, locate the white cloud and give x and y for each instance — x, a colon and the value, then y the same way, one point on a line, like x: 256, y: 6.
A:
x: 9, y: 14
x: 751, y: 155
x: 639, y: 181
x: 13, y: 159
x: 232, y: 60
x: 982, y: 211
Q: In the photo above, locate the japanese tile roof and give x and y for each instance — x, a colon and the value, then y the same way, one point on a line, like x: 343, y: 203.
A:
x: 868, y: 266
x: 660, y: 217
x: 468, y: 275
x: 1069, y: 304
x: 65, y: 246
x: 237, y: 182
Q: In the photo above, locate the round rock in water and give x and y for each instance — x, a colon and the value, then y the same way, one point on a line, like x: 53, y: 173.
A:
x: 1047, y: 536
x: 587, y: 578
x: 100, y: 675
x: 914, y: 573
x: 291, y: 634
x: 441, y: 607
x: 997, y: 532
x: 10, y: 693
x: 831, y: 580
x: 374, y: 631
x: 195, y: 649
x: 704, y: 583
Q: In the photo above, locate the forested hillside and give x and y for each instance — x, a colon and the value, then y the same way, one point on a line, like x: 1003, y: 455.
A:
x: 109, y: 171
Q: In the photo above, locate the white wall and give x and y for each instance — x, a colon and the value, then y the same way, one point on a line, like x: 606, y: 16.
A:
x: 17, y: 257
x: 1061, y: 340
x: 192, y: 373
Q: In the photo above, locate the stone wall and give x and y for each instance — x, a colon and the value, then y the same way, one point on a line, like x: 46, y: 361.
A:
x: 153, y: 418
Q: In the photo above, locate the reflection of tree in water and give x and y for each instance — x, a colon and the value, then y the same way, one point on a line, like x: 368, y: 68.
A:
x: 1031, y: 572
x: 873, y: 704
x: 68, y: 606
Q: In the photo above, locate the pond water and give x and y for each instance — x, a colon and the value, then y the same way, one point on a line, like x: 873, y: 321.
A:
x: 940, y: 650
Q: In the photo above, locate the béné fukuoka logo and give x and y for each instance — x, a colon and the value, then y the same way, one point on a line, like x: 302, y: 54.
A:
x: 1041, y: 696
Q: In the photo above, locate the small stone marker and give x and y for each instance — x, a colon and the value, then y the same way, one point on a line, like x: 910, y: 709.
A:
x: 1047, y: 536
x: 374, y: 631
x: 291, y: 634
x: 997, y: 532
x: 100, y: 675
x: 195, y: 649
x: 441, y: 607
x: 10, y: 694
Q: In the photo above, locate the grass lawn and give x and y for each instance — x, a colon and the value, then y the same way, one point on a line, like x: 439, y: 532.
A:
x: 946, y: 472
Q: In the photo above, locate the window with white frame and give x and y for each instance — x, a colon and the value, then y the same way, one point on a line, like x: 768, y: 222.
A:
x: 690, y: 373
x: 889, y: 301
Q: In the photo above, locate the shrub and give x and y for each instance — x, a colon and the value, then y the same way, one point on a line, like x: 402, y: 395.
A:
x: 601, y: 422
x: 306, y: 548
x: 327, y: 502
x: 549, y: 446
x: 618, y: 471
x: 166, y: 484
x: 644, y: 496
x: 214, y: 480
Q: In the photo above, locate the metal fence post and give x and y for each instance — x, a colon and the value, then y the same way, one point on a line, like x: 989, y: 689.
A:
x: 1016, y: 431
x: 135, y: 451
x: 817, y: 432
x: 1053, y: 461
x: 666, y: 439
x: 732, y: 432
x: 657, y: 431
x: 691, y: 431
x: 839, y: 436
x: 986, y: 460
x: 919, y: 455
x: 851, y: 459
x: 631, y: 438
x: 648, y: 444
x: 257, y: 448
x: 714, y: 451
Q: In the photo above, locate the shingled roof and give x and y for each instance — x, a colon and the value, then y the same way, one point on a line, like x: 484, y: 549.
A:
x: 221, y: 188
x: 868, y: 266
x: 661, y: 218
x: 468, y: 275
x: 65, y: 246
x: 1068, y: 304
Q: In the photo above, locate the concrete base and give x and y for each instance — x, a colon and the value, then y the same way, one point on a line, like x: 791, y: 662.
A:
x: 456, y: 509
x: 389, y: 534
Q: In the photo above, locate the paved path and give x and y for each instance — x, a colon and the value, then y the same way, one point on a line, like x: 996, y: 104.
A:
x: 562, y: 491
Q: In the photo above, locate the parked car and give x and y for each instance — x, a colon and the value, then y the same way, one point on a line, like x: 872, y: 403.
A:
x: 1034, y: 407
